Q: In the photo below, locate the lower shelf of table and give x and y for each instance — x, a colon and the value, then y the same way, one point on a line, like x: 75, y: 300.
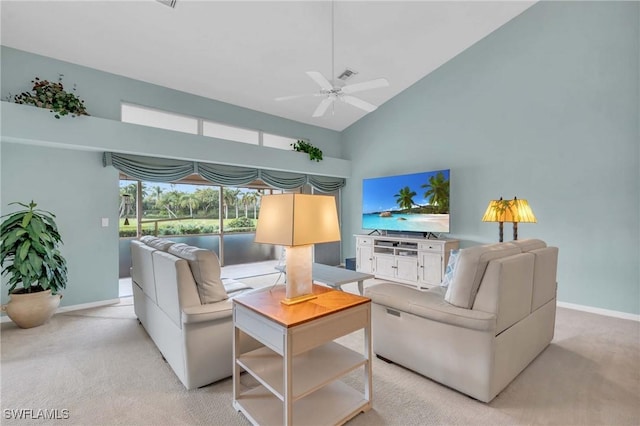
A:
x: 313, y: 369
x: 333, y: 404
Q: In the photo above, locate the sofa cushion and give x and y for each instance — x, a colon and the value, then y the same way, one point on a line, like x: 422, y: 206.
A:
x: 529, y: 244
x: 451, y: 266
x: 157, y: 243
x: 544, y: 276
x: 470, y: 267
x: 429, y: 304
x: 142, y: 272
x: 205, y: 268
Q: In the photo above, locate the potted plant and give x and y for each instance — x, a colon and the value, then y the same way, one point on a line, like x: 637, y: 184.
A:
x: 36, y: 269
x: 47, y: 94
x: 314, y: 152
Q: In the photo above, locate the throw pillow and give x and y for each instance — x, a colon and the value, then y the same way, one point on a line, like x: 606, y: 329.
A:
x: 448, y: 273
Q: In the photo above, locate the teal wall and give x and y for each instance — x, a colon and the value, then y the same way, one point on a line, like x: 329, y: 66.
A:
x: 546, y: 108
x: 75, y: 187
x: 103, y: 93
x: 58, y: 163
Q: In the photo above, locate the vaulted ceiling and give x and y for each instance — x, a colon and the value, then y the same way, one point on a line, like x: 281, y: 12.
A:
x: 247, y: 53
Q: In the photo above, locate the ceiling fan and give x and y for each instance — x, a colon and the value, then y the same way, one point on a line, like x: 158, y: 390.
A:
x: 332, y: 92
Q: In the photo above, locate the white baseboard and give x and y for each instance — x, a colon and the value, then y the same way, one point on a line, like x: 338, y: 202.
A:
x: 599, y: 311
x: 79, y: 307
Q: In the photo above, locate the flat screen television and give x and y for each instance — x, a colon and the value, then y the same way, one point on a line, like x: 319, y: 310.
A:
x: 417, y: 202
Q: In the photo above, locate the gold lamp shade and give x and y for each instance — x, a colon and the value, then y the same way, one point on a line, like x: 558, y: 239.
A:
x: 495, y: 213
x: 298, y: 221
x: 519, y: 211
x: 514, y: 211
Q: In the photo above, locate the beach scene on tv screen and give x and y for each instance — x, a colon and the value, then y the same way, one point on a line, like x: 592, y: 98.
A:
x: 417, y: 202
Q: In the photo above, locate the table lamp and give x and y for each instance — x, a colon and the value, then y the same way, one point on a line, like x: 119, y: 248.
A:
x: 519, y: 211
x: 298, y: 221
x: 496, y: 213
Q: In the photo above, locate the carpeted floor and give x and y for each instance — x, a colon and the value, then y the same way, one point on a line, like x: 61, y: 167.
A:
x: 99, y: 367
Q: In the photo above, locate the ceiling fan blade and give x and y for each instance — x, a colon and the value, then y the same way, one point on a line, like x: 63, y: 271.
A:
x: 359, y: 103
x: 286, y: 98
x: 322, y: 108
x: 319, y: 78
x: 365, y: 85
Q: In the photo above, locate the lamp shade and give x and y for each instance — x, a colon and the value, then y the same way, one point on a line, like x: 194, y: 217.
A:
x: 519, y: 211
x: 515, y: 210
x: 297, y: 219
x: 494, y: 212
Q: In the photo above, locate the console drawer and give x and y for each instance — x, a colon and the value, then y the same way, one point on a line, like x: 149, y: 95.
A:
x: 430, y: 247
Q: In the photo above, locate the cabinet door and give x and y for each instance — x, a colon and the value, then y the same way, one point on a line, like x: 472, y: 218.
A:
x: 364, y: 259
x: 385, y: 266
x: 407, y: 268
x: 430, y: 268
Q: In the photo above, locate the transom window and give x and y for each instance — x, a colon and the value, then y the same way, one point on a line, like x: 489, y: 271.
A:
x: 222, y: 131
x: 152, y: 117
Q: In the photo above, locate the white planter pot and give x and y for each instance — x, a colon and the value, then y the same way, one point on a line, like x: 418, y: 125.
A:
x: 32, y: 309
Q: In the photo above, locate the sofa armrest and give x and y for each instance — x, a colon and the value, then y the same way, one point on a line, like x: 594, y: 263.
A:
x: 430, y: 305
x: 207, y: 312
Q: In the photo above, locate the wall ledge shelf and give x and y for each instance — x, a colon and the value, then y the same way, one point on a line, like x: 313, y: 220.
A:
x: 36, y: 126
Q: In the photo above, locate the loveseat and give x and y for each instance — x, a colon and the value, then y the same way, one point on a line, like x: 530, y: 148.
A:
x: 186, y: 308
x: 496, y: 314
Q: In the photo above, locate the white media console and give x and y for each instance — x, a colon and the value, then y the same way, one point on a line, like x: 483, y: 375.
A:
x: 409, y: 260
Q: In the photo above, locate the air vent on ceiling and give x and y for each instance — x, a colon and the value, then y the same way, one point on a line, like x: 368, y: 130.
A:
x: 170, y: 3
x: 346, y: 74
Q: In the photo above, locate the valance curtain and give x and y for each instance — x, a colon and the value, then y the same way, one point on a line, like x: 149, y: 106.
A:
x: 167, y: 170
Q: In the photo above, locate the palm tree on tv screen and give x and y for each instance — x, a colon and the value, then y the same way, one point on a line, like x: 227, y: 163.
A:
x: 438, y: 192
x: 404, y: 198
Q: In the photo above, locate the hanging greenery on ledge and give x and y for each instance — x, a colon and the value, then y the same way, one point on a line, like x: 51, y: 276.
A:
x: 315, y: 153
x: 52, y: 96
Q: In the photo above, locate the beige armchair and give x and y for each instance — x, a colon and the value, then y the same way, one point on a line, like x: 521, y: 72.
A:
x: 479, y: 333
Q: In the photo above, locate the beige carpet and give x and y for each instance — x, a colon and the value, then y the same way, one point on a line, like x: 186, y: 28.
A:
x: 100, y: 365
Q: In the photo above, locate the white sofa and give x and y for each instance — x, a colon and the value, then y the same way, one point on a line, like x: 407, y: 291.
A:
x: 186, y: 308
x: 476, y: 335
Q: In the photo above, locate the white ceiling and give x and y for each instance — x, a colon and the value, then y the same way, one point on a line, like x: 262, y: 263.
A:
x: 247, y: 53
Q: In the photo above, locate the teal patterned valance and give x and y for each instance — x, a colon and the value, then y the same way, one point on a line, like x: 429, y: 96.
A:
x: 167, y: 170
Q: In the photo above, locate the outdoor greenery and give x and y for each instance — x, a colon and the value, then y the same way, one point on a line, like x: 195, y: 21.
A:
x: 177, y: 212
x: 46, y: 94
x: 314, y: 152
x: 30, y: 241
